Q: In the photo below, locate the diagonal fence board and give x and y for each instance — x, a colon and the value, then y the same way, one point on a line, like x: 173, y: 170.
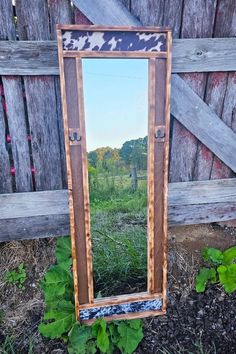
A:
x: 188, y: 108
x: 46, y: 214
x: 189, y: 55
x: 200, y: 120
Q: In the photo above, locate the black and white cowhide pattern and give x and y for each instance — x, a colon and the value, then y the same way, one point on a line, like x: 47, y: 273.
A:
x: 114, y: 41
x: 139, y: 306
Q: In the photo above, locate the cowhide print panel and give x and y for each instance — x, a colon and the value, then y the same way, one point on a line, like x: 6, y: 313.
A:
x: 121, y: 309
x: 114, y: 41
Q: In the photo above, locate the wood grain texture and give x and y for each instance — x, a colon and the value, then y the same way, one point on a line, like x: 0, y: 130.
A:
x: 41, y: 100
x: 221, y: 83
x: 60, y: 11
x: 76, y: 184
x: 85, y: 186
x: 189, y: 55
x: 46, y: 203
x: 18, y: 132
x: 106, y: 12
x: 69, y: 173
x: 197, y: 21
x: 15, y: 110
x: 203, y: 122
x: 189, y: 203
x: 159, y: 170
x: 5, y: 176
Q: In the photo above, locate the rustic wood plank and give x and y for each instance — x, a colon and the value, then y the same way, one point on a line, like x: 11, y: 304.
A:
x: 201, y: 214
x: 72, y: 119
x: 45, y: 203
x: 106, y: 12
x: 58, y: 225
x: 149, y: 12
x: 33, y: 24
x: 60, y: 11
x: 46, y: 214
x: 15, y: 110
x: 5, y: 176
x: 189, y: 55
x: 18, y: 131
x: 221, y: 83
x: 201, y: 121
x: 197, y: 21
x: 173, y: 10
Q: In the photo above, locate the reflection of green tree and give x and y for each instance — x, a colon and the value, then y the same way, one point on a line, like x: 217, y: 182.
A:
x: 134, y: 153
x: 115, y: 161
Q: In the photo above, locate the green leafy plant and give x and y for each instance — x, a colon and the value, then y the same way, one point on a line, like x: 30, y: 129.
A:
x: 222, y: 269
x: 59, y: 317
x: 17, y: 277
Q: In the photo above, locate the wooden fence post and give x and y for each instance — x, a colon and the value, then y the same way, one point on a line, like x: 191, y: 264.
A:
x: 134, y: 179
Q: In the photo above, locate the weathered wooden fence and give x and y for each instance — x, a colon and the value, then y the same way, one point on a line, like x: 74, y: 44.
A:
x: 203, y: 107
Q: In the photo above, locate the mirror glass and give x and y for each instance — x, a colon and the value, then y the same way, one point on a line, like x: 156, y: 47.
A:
x: 116, y: 119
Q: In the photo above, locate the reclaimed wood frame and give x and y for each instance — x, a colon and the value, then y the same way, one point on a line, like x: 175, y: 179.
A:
x: 70, y: 64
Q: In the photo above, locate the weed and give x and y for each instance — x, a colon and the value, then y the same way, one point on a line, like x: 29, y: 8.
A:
x: 222, y: 270
x: 59, y: 317
x: 17, y: 277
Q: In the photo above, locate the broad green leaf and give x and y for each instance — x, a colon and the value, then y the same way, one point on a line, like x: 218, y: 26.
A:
x: 135, y: 323
x: 129, y: 338
x: 99, y: 330
x: 227, y: 276
x: 203, y: 277
x: 229, y: 256
x: 213, y: 255
x: 78, y: 340
x: 63, y: 249
x: 62, y: 320
x: 56, y: 282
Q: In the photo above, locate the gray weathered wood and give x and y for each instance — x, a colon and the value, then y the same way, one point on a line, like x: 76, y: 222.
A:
x: 106, y: 12
x: 189, y: 55
x: 197, y: 21
x: 33, y: 24
x: 201, y: 121
x: 5, y: 176
x: 44, y: 214
x: 222, y: 91
x: 16, y: 117
x: 60, y: 11
x: 18, y: 132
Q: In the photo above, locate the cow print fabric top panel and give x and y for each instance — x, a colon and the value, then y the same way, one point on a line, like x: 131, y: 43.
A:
x: 133, y: 307
x: 114, y: 41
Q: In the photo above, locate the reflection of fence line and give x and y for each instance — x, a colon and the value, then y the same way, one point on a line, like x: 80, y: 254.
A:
x: 135, y: 178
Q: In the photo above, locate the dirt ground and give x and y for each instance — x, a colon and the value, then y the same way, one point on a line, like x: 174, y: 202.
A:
x: 194, y: 323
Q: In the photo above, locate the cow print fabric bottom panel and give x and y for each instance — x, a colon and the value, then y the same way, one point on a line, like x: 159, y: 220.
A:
x: 121, y: 309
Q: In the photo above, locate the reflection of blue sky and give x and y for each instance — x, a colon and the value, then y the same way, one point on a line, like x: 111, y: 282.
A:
x: 115, y: 94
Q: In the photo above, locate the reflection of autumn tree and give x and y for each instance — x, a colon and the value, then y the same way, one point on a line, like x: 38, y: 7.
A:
x: 132, y: 154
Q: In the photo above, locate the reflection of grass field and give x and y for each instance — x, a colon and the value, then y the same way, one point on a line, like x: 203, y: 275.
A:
x: 119, y: 235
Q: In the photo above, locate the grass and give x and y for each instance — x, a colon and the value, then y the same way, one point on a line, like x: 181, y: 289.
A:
x: 8, y: 346
x: 119, y: 235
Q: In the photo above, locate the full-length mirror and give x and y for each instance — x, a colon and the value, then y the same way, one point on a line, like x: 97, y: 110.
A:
x: 116, y: 122
x: 115, y: 84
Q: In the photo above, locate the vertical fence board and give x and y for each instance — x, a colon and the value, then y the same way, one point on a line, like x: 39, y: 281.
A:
x: 18, y: 131
x: 60, y: 12
x: 13, y: 92
x: 190, y: 159
x: 33, y: 24
x: 149, y: 12
x: 221, y: 91
x: 5, y: 177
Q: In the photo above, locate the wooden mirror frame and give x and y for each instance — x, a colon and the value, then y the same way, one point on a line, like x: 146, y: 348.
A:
x: 77, y: 42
